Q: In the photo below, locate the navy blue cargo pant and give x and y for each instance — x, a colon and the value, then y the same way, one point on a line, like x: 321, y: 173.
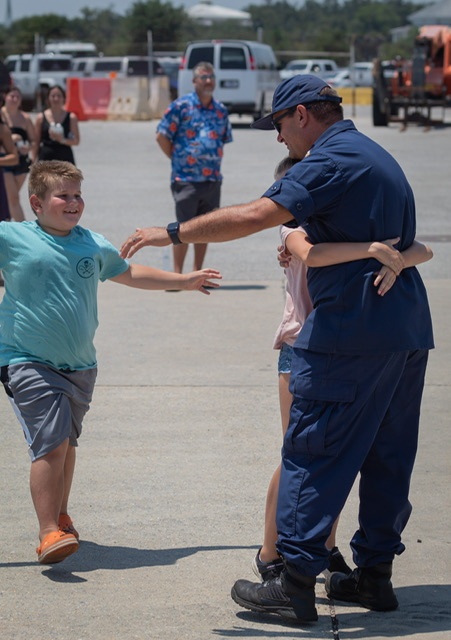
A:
x: 350, y: 414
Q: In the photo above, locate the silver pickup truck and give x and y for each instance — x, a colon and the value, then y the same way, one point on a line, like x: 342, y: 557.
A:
x: 35, y: 74
x: 319, y: 67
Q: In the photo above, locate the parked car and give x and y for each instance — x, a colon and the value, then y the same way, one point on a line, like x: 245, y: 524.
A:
x: 363, y: 74
x: 341, y: 79
x: 320, y: 67
x: 246, y: 73
x: 359, y: 75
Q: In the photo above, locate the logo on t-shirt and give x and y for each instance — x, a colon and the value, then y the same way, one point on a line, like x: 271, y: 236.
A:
x: 86, y: 267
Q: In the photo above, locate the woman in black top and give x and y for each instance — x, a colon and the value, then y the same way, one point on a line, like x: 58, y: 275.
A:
x: 24, y: 137
x: 56, y: 129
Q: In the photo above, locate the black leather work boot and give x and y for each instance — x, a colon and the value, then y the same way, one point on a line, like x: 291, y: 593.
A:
x: 290, y: 597
x: 371, y: 587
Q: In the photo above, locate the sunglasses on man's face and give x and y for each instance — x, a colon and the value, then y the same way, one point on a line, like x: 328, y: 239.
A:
x: 276, y: 121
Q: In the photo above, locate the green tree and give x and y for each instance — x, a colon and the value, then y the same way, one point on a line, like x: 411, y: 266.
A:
x: 21, y: 35
x: 103, y: 27
x: 315, y: 26
x: 163, y: 19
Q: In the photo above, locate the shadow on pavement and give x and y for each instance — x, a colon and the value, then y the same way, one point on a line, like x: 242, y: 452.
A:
x: 93, y: 557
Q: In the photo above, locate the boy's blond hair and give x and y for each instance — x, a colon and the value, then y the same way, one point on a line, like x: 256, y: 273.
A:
x: 47, y: 175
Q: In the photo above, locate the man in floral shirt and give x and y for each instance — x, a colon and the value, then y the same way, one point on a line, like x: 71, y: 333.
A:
x: 192, y: 133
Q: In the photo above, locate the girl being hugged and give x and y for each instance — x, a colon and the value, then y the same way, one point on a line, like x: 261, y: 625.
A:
x: 56, y: 129
x: 24, y: 137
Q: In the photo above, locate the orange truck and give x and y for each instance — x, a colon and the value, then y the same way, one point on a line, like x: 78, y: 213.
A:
x: 417, y: 85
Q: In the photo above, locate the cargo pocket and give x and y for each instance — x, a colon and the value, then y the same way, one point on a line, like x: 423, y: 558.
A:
x: 318, y: 424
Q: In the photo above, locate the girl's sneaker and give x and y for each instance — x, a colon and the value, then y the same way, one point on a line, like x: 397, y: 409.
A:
x: 266, y: 570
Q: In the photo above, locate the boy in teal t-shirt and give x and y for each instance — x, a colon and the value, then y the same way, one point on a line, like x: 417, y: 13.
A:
x: 48, y: 318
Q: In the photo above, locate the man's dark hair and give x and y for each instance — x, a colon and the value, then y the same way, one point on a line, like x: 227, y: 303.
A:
x: 325, y: 111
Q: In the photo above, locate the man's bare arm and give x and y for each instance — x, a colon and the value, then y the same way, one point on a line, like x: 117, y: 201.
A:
x: 222, y: 225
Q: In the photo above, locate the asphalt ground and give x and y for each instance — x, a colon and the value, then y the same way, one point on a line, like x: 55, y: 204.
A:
x: 184, y: 430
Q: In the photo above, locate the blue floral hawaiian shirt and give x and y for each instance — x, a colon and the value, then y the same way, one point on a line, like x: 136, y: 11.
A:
x: 198, y: 135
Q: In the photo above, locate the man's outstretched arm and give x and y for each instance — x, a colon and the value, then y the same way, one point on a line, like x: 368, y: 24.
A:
x: 222, y: 225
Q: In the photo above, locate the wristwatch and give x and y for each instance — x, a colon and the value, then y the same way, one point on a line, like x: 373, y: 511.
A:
x: 173, y: 229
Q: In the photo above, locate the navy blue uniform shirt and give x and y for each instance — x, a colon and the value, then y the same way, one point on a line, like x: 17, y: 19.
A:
x: 349, y: 189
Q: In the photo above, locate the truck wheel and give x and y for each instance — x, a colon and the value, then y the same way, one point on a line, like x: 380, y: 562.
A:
x: 379, y: 117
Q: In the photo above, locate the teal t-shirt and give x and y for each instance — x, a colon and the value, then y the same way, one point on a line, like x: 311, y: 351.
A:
x: 49, y: 308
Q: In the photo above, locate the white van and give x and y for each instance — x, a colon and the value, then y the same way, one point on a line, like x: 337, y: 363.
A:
x: 115, y: 67
x: 246, y: 73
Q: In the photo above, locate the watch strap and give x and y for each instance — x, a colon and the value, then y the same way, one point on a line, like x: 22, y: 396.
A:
x: 173, y: 232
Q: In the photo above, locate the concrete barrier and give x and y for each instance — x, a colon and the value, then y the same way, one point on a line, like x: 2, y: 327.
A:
x: 129, y: 99
x: 89, y: 98
x: 160, y: 96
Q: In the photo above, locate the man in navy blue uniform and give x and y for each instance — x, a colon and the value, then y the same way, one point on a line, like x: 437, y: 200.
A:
x: 360, y: 359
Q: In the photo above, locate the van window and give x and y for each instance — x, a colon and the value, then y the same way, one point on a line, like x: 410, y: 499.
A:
x: 232, y: 58
x: 138, y: 68
x: 107, y: 65
x: 11, y: 65
x: 200, y: 54
x: 264, y: 59
x: 55, y: 65
x: 79, y: 65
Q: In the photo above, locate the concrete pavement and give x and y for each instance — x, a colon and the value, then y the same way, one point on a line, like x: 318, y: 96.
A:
x: 182, y: 438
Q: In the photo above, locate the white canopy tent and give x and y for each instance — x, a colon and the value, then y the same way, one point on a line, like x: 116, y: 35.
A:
x: 207, y: 13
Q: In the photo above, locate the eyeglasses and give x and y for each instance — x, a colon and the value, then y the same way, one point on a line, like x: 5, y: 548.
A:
x: 206, y: 76
x: 276, y: 121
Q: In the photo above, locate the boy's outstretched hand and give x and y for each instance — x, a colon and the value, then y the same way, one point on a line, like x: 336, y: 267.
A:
x: 154, y: 236
x: 200, y: 280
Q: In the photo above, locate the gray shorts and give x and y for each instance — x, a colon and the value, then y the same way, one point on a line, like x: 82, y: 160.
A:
x: 49, y: 403
x: 195, y: 198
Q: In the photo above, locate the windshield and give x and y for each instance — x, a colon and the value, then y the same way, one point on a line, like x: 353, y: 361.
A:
x: 55, y: 65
